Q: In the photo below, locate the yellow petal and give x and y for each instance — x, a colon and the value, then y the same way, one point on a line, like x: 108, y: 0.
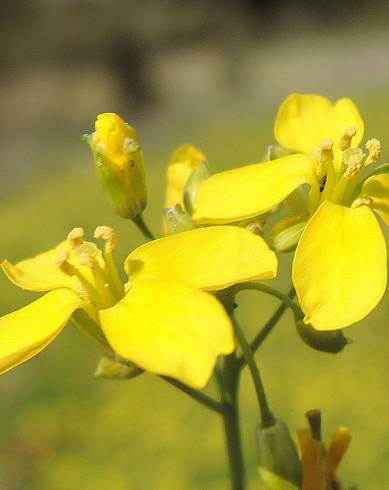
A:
x: 207, y: 258
x: 340, y: 442
x: 110, y: 138
x: 169, y: 329
x: 304, y: 121
x: 26, y: 332
x: 248, y: 191
x: 377, y: 189
x: 339, y: 269
x: 39, y: 273
x: 184, y: 160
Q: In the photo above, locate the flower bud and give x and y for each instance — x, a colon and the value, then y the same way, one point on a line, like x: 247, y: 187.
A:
x: 286, y: 233
x: 278, y: 462
x: 192, y: 185
x: 111, y: 369
x: 186, y: 159
x: 177, y: 220
x: 119, y: 164
x: 332, y: 341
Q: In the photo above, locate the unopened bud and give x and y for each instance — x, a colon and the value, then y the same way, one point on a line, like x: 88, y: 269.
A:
x: 332, y: 341
x: 184, y: 161
x: 177, y: 220
x: 278, y: 461
x: 119, y: 164
x: 111, y: 369
x: 192, y: 186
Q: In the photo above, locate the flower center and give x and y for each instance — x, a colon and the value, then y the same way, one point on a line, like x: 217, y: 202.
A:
x: 95, y: 270
x: 338, y: 180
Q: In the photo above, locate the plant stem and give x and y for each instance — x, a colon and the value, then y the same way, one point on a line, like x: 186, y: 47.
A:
x: 267, y: 417
x: 196, y: 395
x: 258, y: 286
x: 229, y: 384
x: 267, y: 328
x: 143, y: 228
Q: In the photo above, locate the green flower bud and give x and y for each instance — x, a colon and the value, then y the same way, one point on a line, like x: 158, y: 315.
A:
x: 119, y: 164
x: 177, y: 220
x: 332, y: 341
x: 286, y: 233
x: 192, y: 185
x: 278, y: 461
x: 111, y: 369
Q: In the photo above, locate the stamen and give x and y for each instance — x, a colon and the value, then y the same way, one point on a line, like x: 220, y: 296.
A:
x: 354, y: 161
x: 345, y: 140
x: 324, y: 155
x: 83, y: 287
x: 63, y: 264
x: 362, y: 201
x: 374, y: 148
x: 108, y: 234
x: 82, y: 292
x: 76, y: 237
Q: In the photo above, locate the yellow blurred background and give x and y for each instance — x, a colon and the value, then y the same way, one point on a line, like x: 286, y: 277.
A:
x: 209, y: 73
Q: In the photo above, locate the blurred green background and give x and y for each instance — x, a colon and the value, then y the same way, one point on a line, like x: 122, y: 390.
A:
x: 210, y: 73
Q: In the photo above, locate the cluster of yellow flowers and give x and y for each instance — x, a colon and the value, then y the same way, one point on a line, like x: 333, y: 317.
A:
x: 165, y: 318
x: 316, y: 194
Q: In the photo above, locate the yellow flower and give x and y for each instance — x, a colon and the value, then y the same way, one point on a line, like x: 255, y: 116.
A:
x: 119, y: 164
x: 319, y: 464
x: 163, y: 319
x: 340, y: 264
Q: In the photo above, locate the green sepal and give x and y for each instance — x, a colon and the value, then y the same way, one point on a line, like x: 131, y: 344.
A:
x: 278, y: 462
x: 177, y: 220
x: 113, y: 369
x: 125, y: 188
x: 332, y: 341
x: 286, y: 234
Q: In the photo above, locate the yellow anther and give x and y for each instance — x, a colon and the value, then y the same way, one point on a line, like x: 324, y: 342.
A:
x: 361, y: 201
x: 345, y: 140
x: 324, y: 155
x: 108, y: 234
x: 76, y: 237
x: 63, y: 264
x: 354, y: 161
x: 374, y: 148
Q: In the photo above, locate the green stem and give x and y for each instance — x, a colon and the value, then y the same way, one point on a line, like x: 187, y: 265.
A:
x: 143, y: 228
x: 229, y: 384
x: 266, y: 415
x: 267, y: 328
x: 196, y: 395
x: 258, y: 286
